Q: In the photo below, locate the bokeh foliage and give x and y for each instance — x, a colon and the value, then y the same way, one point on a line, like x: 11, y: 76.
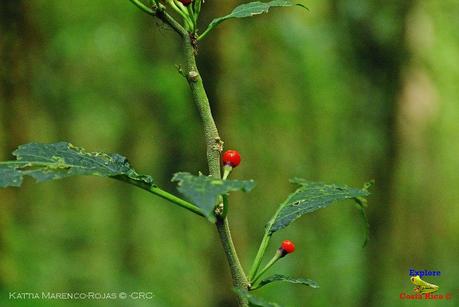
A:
x: 352, y: 90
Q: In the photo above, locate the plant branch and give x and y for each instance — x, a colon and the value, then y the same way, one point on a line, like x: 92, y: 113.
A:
x: 237, y: 273
x: 213, y: 141
x: 214, y: 148
x: 214, y: 145
x: 143, y: 7
x: 160, y: 13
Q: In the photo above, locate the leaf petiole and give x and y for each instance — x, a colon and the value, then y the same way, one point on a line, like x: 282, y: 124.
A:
x: 259, y: 257
x: 271, y: 262
x: 165, y: 195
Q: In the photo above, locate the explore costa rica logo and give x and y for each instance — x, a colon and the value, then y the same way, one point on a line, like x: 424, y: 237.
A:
x: 424, y: 290
x: 422, y: 286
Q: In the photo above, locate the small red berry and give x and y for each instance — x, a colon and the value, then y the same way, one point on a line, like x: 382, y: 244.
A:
x: 288, y: 246
x: 186, y: 2
x: 231, y: 158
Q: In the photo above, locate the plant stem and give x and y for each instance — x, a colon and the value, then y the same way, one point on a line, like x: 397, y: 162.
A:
x: 237, y: 273
x: 160, y: 13
x: 213, y: 141
x: 276, y: 257
x: 176, y: 200
x: 263, y: 245
x: 200, y: 37
x: 214, y: 144
x: 166, y: 195
x: 259, y: 257
x: 143, y: 7
x: 214, y: 148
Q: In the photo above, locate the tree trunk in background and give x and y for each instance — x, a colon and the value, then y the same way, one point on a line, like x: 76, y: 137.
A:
x: 16, y: 45
x: 16, y: 42
x: 379, y: 55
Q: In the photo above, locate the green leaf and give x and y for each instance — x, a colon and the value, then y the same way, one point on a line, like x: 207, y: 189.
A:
x: 253, y: 300
x: 46, y: 162
x: 249, y: 10
x: 278, y: 277
x: 310, y: 197
x: 205, y: 191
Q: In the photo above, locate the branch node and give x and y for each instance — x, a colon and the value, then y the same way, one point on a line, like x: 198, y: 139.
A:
x: 218, y: 146
x: 194, y: 43
x: 193, y: 76
x: 219, y: 209
x: 180, y: 70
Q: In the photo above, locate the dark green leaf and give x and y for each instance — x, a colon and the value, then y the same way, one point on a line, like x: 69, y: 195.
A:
x: 253, y: 300
x: 60, y: 160
x: 278, y: 277
x: 251, y: 9
x: 204, y: 191
x: 310, y: 197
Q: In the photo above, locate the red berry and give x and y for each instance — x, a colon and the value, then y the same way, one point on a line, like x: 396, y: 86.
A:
x: 186, y: 2
x: 231, y: 158
x: 288, y: 246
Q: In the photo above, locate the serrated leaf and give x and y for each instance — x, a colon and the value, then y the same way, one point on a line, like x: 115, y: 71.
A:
x: 254, y: 300
x: 310, y: 197
x: 251, y: 9
x: 46, y: 162
x: 204, y: 191
x: 279, y: 277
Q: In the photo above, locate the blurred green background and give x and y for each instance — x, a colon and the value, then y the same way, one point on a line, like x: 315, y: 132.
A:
x: 350, y: 91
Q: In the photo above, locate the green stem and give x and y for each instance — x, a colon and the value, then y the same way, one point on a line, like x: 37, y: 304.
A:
x: 200, y: 37
x: 237, y: 273
x: 259, y: 257
x: 276, y: 257
x: 214, y: 148
x: 143, y: 7
x: 213, y: 141
x: 214, y: 144
x: 263, y: 245
x: 176, y: 200
x: 160, y: 13
x: 182, y: 11
x: 165, y: 195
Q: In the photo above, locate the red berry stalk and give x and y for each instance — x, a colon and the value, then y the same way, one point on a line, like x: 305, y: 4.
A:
x: 287, y: 247
x: 230, y: 159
